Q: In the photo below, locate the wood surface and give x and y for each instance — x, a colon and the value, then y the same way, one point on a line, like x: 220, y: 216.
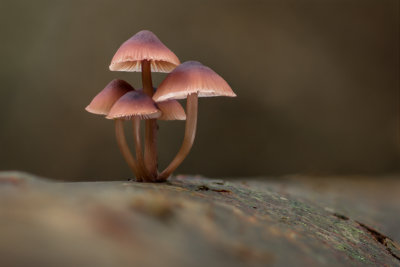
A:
x: 195, y: 221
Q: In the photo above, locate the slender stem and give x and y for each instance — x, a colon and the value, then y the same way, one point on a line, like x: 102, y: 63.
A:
x: 138, y: 145
x: 188, y: 139
x: 123, y: 146
x: 146, y: 78
x: 150, y: 146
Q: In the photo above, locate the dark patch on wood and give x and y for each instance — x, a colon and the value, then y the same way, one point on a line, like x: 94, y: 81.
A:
x: 221, y: 191
x: 341, y: 216
x: 202, y: 188
x: 206, y: 188
x: 392, y: 247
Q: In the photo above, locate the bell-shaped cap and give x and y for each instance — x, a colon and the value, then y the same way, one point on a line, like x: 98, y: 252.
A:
x: 144, y: 45
x: 103, y: 101
x: 171, y: 110
x: 134, y: 103
x: 192, y: 77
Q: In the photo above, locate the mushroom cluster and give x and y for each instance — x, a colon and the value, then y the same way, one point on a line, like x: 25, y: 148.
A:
x: 119, y: 101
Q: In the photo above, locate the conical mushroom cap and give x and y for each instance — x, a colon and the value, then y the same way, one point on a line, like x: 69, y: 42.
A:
x: 103, y: 101
x: 171, y: 110
x: 134, y: 103
x: 192, y: 77
x: 144, y: 45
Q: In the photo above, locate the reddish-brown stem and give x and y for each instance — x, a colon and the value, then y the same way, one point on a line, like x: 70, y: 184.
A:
x: 150, y: 145
x: 190, y: 133
x: 138, y: 145
x: 123, y: 146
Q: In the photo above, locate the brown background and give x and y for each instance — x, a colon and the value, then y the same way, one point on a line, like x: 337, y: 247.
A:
x: 317, y: 84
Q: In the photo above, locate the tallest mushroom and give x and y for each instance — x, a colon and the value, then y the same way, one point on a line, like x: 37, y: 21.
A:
x: 146, y: 53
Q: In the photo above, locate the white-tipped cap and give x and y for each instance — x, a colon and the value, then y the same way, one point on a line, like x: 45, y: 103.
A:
x: 144, y: 45
x: 192, y: 77
x: 134, y: 103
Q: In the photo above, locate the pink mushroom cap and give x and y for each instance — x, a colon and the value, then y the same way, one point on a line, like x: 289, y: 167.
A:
x: 134, y: 103
x: 103, y: 101
x: 192, y: 77
x: 144, y: 45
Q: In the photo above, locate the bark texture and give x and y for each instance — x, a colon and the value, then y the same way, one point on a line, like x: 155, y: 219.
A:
x: 195, y: 221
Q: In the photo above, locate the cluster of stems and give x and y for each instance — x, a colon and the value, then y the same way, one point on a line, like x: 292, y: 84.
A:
x: 145, y: 167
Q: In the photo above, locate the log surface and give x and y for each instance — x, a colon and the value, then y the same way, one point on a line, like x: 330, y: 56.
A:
x: 195, y: 221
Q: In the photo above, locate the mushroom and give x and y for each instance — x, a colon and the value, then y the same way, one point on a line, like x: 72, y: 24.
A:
x: 134, y: 105
x: 171, y: 110
x: 190, y: 80
x: 145, y: 52
x: 102, y: 103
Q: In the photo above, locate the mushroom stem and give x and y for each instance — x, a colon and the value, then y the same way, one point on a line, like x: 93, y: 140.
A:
x: 138, y: 145
x: 190, y: 133
x: 150, y: 147
x: 123, y: 146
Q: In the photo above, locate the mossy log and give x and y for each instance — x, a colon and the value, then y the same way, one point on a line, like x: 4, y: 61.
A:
x: 195, y: 221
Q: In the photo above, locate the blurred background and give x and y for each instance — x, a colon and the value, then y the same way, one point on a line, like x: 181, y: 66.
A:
x: 317, y: 85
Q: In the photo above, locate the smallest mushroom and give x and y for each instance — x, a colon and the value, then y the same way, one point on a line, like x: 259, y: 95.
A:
x: 171, y: 110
